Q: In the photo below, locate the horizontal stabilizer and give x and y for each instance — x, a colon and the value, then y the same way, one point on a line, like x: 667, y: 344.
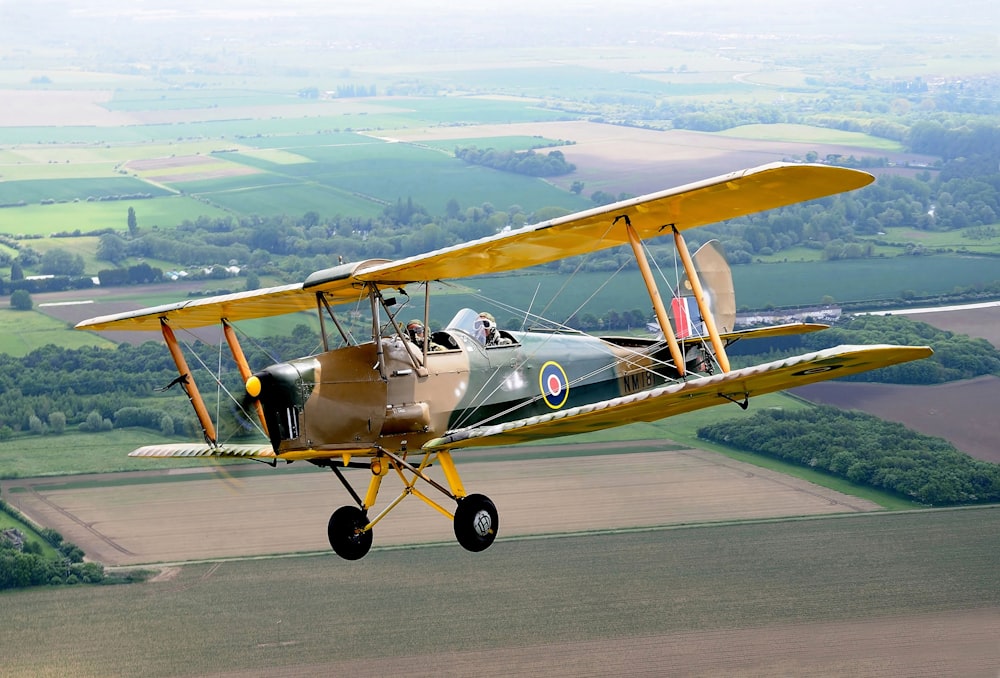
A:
x: 687, y: 396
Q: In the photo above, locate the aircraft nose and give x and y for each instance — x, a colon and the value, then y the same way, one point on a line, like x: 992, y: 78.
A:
x: 253, y: 386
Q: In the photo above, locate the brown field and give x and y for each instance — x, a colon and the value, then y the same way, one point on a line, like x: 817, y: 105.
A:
x: 43, y: 108
x: 933, y: 645
x: 218, y: 516
x: 613, y: 158
x: 963, y: 413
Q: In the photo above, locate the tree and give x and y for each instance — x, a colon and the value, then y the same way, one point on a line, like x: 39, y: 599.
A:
x: 62, y: 262
x: 111, y: 248
x: 21, y: 300
x: 253, y: 281
x: 57, y: 422
x: 16, y: 272
x: 133, y: 225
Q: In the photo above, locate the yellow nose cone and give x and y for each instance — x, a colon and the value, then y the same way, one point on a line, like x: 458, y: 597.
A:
x: 253, y: 387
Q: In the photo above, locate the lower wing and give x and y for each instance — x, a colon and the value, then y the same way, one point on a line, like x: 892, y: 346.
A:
x: 205, y: 450
x: 687, y: 396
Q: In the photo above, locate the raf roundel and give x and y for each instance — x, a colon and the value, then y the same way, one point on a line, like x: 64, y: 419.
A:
x: 554, y: 384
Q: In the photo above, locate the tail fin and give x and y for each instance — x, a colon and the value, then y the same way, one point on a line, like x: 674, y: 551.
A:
x: 717, y: 282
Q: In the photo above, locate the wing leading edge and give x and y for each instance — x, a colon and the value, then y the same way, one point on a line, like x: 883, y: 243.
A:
x: 688, y: 396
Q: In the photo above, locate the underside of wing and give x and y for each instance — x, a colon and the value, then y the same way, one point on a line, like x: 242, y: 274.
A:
x: 698, y: 204
x: 203, y: 450
x: 687, y: 396
x: 785, y: 330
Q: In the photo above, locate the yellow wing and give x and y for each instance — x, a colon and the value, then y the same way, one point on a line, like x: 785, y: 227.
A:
x: 704, y: 202
x: 698, y: 204
x: 687, y: 396
x: 203, y: 450
x: 337, y: 284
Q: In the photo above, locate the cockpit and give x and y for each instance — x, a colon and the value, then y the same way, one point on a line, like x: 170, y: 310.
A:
x: 481, y: 326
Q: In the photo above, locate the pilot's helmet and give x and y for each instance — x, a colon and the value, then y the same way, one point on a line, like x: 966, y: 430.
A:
x: 415, y: 327
x: 487, y: 324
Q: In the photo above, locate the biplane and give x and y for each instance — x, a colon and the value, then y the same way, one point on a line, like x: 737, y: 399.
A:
x: 397, y: 403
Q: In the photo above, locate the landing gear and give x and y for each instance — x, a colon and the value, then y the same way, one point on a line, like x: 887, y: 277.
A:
x: 346, y: 531
x: 476, y: 522
x: 350, y: 530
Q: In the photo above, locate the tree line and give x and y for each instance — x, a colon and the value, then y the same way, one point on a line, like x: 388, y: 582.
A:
x: 23, y: 562
x: 865, y: 450
x: 552, y: 164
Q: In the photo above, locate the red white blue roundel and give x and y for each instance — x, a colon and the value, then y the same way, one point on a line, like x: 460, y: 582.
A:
x: 554, y: 385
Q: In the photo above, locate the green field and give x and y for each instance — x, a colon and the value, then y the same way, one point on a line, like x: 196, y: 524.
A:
x: 162, y: 212
x: 23, y: 331
x: 74, y: 453
x: 306, y: 613
x: 811, y: 134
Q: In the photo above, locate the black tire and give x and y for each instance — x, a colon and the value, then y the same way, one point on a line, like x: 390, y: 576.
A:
x: 344, y: 533
x: 476, y: 522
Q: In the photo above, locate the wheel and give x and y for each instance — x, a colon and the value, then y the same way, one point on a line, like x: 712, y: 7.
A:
x: 345, y: 533
x: 476, y: 522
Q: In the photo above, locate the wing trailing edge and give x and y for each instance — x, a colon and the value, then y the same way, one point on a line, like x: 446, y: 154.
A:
x: 687, y: 396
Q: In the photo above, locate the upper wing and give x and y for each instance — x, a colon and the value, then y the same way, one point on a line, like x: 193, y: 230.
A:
x: 704, y: 202
x: 687, y: 396
x: 338, y: 285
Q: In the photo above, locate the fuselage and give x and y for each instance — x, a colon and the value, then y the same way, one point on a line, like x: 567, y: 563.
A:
x: 387, y: 394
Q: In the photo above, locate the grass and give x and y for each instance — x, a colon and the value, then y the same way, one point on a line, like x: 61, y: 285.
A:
x: 7, y: 521
x: 21, y: 332
x: 163, y: 212
x: 75, y: 453
x: 956, y: 240
x: 278, y: 613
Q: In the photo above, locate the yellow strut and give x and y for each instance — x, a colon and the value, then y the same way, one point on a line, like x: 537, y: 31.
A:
x: 699, y: 296
x: 242, y: 365
x: 654, y: 295
x: 451, y: 473
x: 189, y: 386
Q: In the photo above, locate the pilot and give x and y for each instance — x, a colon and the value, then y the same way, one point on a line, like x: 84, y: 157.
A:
x: 415, y: 331
x: 491, y: 334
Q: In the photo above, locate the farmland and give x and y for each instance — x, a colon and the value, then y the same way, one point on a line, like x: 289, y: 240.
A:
x: 616, y: 556
x: 907, y: 594
x: 960, y: 412
x: 138, y: 520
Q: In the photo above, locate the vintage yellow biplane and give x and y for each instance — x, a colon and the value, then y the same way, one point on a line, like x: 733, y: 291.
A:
x: 401, y: 402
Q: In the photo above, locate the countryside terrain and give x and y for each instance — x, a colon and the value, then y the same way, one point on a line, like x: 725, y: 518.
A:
x: 646, y: 553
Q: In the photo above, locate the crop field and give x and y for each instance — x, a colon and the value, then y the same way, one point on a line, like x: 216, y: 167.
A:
x: 811, y: 135
x: 868, y: 595
x: 637, y: 161
x: 121, y: 523
x: 963, y: 412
